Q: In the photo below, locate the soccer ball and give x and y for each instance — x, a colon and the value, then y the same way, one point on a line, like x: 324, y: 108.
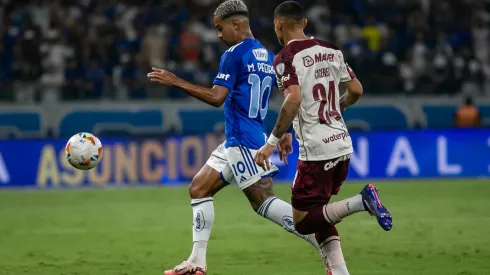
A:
x: 83, y: 151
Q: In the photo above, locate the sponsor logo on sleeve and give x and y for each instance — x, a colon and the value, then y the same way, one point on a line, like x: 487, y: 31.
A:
x: 223, y: 76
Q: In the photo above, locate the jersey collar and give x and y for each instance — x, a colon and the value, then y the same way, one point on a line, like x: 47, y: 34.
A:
x: 311, y: 37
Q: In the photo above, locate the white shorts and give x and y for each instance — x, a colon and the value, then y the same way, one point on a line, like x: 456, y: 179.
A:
x: 236, y: 164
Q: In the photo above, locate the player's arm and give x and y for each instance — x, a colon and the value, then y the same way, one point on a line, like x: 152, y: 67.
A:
x: 223, y: 83
x: 351, y: 84
x: 214, y: 96
x: 285, y: 93
x: 289, y: 110
x: 353, y: 92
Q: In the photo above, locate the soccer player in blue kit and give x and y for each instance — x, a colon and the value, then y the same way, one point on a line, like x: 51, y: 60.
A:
x: 243, y: 84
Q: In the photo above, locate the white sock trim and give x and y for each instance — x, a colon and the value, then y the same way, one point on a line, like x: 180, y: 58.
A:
x: 265, y: 206
x: 195, y: 202
x: 329, y: 239
x: 331, y: 220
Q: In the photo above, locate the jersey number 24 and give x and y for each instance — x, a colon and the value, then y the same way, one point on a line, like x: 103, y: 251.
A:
x: 259, y: 95
x: 328, y: 102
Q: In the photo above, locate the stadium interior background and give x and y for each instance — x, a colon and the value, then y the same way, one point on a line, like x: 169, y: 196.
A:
x: 73, y: 66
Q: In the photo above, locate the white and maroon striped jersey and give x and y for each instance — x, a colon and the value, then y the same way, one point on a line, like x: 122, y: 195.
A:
x: 318, y: 67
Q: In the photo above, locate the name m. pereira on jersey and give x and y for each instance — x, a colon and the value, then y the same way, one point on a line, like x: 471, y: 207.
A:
x: 261, y: 67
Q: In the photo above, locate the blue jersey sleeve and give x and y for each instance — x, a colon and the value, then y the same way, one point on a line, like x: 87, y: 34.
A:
x: 228, y: 70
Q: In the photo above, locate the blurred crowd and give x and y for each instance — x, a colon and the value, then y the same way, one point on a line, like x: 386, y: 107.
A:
x: 62, y: 49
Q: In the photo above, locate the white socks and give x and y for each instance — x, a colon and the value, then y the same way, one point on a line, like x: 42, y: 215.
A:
x: 336, y: 211
x: 274, y: 209
x: 203, y: 218
x: 198, y: 255
x: 281, y: 213
x: 332, y: 250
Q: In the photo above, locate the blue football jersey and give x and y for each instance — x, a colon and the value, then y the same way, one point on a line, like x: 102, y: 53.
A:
x: 246, y: 69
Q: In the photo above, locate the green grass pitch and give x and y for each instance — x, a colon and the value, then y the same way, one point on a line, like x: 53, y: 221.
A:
x: 440, y: 228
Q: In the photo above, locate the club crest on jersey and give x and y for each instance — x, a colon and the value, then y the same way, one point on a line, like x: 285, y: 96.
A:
x: 308, y: 61
x: 261, y: 54
x: 280, y: 68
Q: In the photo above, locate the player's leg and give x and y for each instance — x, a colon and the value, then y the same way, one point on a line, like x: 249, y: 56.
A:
x: 310, y: 198
x: 373, y: 205
x: 263, y: 200
x: 330, y: 243
x: 313, y: 187
x: 256, y: 183
x: 203, y: 187
x: 333, y: 213
x: 207, y: 182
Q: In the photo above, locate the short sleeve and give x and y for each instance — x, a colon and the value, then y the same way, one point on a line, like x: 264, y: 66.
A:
x: 346, y: 73
x: 285, y: 72
x: 228, y: 70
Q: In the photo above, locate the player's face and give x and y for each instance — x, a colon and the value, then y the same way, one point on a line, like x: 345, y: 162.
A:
x: 278, y: 30
x: 227, y: 30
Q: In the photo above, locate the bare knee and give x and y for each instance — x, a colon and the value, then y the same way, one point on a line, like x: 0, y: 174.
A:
x: 205, y: 183
x: 198, y: 188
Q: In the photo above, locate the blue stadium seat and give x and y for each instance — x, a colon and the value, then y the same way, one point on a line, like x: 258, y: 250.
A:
x: 439, y: 116
x: 204, y: 121
x: 376, y: 117
x: 132, y: 121
x: 20, y: 123
x: 485, y: 114
x: 196, y: 122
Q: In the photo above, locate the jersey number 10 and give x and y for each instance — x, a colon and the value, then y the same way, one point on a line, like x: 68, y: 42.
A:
x: 259, y: 95
x: 328, y: 105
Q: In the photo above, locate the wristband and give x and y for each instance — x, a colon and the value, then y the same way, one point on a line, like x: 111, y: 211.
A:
x: 272, y: 140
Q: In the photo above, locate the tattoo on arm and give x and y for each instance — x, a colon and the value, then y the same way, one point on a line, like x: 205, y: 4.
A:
x: 288, y: 112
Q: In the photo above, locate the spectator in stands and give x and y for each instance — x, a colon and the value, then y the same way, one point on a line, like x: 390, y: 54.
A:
x: 467, y: 115
x: 50, y: 83
x: 5, y: 73
x: 95, y: 78
x: 372, y: 34
x: 403, y: 46
x: 73, y: 81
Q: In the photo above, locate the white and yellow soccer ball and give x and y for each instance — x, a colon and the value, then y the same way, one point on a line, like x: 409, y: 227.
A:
x: 83, y: 151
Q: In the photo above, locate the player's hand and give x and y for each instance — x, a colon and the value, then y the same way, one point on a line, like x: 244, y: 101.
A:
x: 163, y: 77
x: 285, y: 147
x: 263, y: 155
